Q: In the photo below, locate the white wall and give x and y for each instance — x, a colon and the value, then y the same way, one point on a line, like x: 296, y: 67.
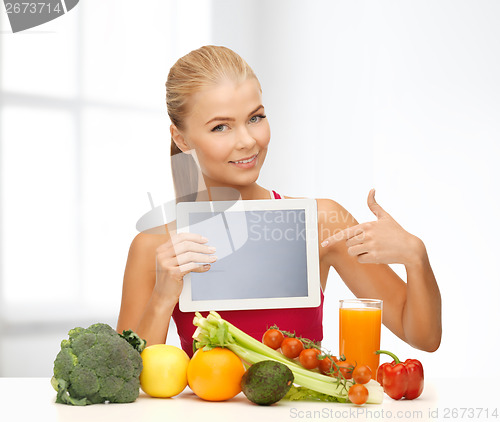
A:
x: 400, y: 96
x: 84, y: 137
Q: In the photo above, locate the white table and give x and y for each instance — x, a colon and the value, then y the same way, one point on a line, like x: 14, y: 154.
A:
x: 33, y: 399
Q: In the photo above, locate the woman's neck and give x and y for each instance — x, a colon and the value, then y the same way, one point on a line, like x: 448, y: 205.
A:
x: 213, y: 192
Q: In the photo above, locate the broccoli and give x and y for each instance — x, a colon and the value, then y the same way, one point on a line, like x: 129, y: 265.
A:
x: 98, y: 365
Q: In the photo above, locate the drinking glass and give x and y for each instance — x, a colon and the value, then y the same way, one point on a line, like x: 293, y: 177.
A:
x: 360, y: 322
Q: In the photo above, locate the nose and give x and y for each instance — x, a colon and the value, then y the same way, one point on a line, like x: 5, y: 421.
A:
x: 245, y: 140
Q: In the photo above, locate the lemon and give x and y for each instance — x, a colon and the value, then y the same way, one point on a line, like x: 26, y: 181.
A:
x: 164, y: 372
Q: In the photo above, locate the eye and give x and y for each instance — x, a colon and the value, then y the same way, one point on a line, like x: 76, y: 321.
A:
x: 219, y: 128
x: 257, y: 118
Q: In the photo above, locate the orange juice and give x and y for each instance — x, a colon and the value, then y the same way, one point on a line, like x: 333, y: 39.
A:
x: 359, y: 335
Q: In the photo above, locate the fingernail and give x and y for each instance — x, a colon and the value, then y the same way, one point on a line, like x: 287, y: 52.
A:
x: 211, y: 249
x: 325, y: 243
x: 206, y: 266
x: 204, y: 239
x: 213, y: 258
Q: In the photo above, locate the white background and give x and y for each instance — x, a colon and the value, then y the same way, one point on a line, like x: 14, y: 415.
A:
x: 397, y: 95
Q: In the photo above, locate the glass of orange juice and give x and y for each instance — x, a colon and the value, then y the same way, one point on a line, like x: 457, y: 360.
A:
x: 360, y: 322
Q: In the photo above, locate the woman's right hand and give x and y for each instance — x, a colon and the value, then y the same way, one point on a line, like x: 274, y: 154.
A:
x: 182, y: 254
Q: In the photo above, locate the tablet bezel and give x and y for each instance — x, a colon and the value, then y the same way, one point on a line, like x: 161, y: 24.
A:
x: 313, y: 299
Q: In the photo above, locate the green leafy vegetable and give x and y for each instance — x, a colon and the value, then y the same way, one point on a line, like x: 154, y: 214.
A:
x: 302, y: 393
x: 135, y: 341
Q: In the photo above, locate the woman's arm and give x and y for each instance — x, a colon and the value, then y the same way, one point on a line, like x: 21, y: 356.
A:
x: 142, y: 310
x: 360, y: 254
x: 153, y: 280
x: 422, y: 313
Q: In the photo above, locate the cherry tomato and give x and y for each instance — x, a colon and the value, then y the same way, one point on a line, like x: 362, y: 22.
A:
x: 325, y: 365
x: 309, y: 358
x: 358, y: 394
x: 273, y: 338
x: 362, y: 374
x: 345, y: 369
x: 291, y: 347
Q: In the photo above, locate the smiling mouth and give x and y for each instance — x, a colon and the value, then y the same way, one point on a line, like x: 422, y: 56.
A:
x: 248, y: 160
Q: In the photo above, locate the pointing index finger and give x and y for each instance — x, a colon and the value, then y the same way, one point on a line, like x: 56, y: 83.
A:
x: 345, y: 234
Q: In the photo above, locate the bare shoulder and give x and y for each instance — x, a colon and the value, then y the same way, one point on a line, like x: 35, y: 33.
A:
x: 330, y: 211
x: 147, y: 241
x: 332, y: 216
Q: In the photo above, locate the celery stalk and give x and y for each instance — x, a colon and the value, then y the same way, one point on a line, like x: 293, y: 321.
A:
x: 214, y: 331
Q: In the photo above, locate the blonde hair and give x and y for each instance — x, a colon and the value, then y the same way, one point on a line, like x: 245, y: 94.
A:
x: 202, y: 68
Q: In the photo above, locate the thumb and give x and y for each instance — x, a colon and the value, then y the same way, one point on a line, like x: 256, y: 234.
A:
x: 375, y: 207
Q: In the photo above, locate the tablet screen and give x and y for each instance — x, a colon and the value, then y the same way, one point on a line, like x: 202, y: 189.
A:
x: 267, y: 254
x: 261, y: 254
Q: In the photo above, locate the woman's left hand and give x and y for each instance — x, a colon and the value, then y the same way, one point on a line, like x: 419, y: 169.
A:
x: 382, y: 241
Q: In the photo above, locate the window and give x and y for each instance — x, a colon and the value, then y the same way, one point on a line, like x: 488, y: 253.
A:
x: 84, y: 135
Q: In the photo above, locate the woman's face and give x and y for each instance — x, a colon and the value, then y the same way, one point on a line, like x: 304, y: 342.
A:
x: 227, y: 125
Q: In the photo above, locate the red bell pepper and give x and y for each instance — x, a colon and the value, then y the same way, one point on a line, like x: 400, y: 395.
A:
x: 401, y: 379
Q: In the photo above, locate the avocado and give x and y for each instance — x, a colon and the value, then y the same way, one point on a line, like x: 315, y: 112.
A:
x: 266, y: 382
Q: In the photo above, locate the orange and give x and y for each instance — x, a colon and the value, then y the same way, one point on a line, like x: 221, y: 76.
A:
x: 215, y: 375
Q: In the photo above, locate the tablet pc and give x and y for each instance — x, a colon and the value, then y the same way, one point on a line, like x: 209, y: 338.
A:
x: 267, y: 254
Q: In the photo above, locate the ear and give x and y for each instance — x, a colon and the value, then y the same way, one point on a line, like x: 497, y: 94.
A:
x: 178, y: 138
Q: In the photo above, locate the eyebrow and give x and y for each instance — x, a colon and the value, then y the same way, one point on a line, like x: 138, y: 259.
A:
x: 230, y: 119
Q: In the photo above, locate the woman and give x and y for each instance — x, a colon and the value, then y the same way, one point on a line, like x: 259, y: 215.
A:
x: 214, y: 102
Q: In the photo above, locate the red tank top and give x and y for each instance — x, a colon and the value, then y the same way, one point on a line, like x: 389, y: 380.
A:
x: 306, y: 322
